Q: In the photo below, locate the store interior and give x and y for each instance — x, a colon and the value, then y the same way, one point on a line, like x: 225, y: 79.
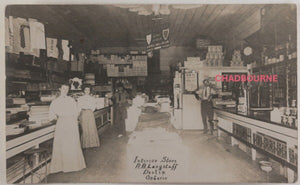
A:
x: 143, y: 65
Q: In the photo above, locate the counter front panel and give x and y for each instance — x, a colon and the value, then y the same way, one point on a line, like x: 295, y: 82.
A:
x: 274, y: 140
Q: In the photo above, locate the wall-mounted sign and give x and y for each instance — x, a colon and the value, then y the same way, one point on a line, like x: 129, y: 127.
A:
x: 191, y: 81
x: 159, y: 37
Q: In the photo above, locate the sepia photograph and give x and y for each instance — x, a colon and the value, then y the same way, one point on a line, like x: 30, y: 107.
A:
x: 150, y: 93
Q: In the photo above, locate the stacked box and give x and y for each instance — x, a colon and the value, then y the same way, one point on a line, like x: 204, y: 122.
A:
x: 214, y: 56
x: 196, y: 59
x: 139, y: 67
x: 194, y: 63
x: 236, y: 59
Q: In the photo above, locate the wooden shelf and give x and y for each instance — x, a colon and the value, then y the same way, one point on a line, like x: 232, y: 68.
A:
x: 11, y: 78
x: 284, y: 63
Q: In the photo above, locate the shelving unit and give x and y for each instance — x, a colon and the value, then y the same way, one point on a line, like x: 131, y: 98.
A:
x: 280, y: 92
x: 16, y: 145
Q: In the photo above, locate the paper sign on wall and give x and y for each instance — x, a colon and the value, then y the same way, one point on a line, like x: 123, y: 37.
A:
x: 191, y: 81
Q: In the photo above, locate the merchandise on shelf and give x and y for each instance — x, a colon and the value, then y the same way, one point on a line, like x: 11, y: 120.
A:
x: 214, y: 56
x: 280, y: 53
x: 194, y: 63
x: 77, y: 62
x: 39, y: 114
x: 101, y: 103
x: 236, y: 59
x: 138, y: 67
x: 111, y: 59
x: 15, y: 101
x: 89, y: 78
x: 13, y: 130
x: 129, y: 65
x: 289, y: 117
x: 30, y: 30
x: 47, y: 98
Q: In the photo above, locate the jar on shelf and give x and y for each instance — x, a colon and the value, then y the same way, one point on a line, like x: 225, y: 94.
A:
x: 294, y: 54
x: 281, y: 58
x: 283, y: 120
x: 290, y: 121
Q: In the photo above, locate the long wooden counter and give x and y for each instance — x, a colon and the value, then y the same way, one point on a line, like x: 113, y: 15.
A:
x: 273, y: 140
x: 33, y: 138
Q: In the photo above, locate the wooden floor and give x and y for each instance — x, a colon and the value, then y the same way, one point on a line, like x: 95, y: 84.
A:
x: 200, y: 158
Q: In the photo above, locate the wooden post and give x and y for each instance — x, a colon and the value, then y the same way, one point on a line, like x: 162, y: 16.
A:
x: 233, y: 141
x: 36, y: 156
x: 253, y: 154
x: 219, y: 132
x: 111, y: 115
x: 102, y: 121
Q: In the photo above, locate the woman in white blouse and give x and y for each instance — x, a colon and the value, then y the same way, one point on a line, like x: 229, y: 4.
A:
x: 66, y: 154
x: 87, y: 105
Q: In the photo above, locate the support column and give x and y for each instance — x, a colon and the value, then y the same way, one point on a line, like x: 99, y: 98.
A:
x: 219, y: 132
x: 111, y: 115
x: 233, y: 141
x: 37, y: 157
x: 253, y: 154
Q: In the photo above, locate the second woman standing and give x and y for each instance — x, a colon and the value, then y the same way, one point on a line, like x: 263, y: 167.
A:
x: 87, y: 105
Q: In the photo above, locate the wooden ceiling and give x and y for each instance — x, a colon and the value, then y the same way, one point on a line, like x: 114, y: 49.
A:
x: 94, y: 26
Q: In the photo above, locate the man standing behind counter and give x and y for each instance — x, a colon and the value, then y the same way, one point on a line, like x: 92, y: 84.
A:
x: 205, y: 95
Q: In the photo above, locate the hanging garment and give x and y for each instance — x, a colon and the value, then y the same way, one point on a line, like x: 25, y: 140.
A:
x: 66, y: 49
x: 37, y: 35
x: 22, y: 37
x: 36, y: 52
x: 8, y: 35
x: 25, y: 39
x: 52, y: 50
x: 60, y: 51
x: 7, y: 42
x: 11, y: 34
x: 17, y: 23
